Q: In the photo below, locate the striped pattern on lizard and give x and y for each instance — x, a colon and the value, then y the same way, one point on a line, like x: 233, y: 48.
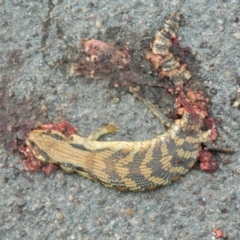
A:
x: 129, y: 166
x: 140, y: 165
x: 126, y: 166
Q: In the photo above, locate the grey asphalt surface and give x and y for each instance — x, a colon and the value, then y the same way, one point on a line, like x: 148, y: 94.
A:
x: 34, y: 37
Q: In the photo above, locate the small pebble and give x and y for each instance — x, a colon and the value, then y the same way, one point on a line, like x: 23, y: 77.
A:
x: 99, y: 24
x: 71, y: 198
x: 59, y: 215
x: 237, y: 35
x: 91, y: 16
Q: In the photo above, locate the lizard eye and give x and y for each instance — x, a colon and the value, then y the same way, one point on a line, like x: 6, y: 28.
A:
x: 35, y: 150
x: 32, y: 143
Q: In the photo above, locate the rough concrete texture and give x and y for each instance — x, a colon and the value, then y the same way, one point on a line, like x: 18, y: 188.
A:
x: 36, y: 39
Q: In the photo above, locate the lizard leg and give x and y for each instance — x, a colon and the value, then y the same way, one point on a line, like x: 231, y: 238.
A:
x: 67, y: 169
x: 109, y: 129
x: 163, y: 119
x: 213, y: 147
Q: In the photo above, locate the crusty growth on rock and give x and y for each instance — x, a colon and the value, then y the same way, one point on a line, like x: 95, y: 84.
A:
x: 160, y: 54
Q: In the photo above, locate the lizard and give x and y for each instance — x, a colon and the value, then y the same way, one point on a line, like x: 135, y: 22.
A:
x: 123, y: 165
x: 140, y: 165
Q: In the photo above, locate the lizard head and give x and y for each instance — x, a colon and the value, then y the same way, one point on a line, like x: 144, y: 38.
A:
x: 34, y: 142
x: 41, y: 142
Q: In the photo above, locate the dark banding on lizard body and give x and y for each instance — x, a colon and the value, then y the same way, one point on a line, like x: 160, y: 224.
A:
x: 132, y: 166
x: 56, y: 136
x: 38, y: 152
x: 44, y: 155
x: 79, y: 146
x: 168, y: 65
